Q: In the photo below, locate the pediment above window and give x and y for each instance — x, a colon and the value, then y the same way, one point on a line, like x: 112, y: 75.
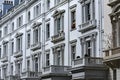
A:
x: 57, y: 12
x: 4, y: 42
x: 83, y: 1
x: 60, y: 46
x: 18, y: 35
x: 36, y: 24
x: 91, y: 36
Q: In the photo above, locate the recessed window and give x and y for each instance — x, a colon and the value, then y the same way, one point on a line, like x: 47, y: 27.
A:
x: 73, y: 19
x: 5, y: 49
x: 73, y: 51
x: 12, y: 26
x: 88, y: 45
x: 47, y: 31
x: 19, y: 44
x: 29, y: 16
x: 37, y: 10
x: 20, y: 21
x: 11, y: 69
x: 28, y: 65
x: 5, y: 30
x: 88, y: 11
x: 0, y: 33
x: 89, y: 48
x: 5, y: 72
x: 59, y: 24
x: 48, y: 4
x: 59, y: 55
x: 47, y: 59
x: 12, y: 48
x: 36, y: 64
x: 36, y: 36
x: 28, y: 40
x: 0, y: 52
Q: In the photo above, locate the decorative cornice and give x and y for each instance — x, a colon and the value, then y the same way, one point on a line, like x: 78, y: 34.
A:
x: 57, y: 12
x: 47, y: 20
x: 73, y: 6
x: 4, y: 42
x: 15, y: 10
x: 36, y: 24
x: 73, y: 41
x: 58, y: 46
x: 18, y: 35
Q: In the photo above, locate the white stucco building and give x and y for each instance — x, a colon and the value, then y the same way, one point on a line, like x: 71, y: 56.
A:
x: 52, y: 40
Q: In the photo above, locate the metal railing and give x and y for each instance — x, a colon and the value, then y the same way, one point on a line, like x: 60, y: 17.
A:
x: 87, y: 61
x: 87, y: 25
x: 58, y: 37
x: 56, y: 69
x: 31, y: 74
x: 36, y: 45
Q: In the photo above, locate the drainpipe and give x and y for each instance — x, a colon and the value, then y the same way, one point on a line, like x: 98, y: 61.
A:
x: 43, y: 35
x: 69, y: 61
x: 100, y: 8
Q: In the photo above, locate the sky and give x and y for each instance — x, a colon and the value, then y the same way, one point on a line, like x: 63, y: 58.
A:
x: 1, y: 2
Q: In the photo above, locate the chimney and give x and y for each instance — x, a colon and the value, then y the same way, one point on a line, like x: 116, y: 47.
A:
x: 8, y: 2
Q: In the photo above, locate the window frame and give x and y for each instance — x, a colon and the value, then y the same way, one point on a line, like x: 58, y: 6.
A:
x: 47, y: 31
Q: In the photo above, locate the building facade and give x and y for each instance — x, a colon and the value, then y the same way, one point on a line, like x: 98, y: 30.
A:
x: 112, y: 53
x: 52, y: 40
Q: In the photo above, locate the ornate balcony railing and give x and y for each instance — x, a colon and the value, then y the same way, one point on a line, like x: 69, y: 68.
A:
x: 56, y: 69
x: 87, y: 26
x: 87, y: 61
x: 18, y: 53
x: 59, y: 37
x: 31, y: 74
x: 14, y: 77
x: 36, y: 46
x: 112, y: 54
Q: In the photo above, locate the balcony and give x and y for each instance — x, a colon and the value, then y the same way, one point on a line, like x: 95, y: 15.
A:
x: 4, y: 59
x: 6, y: 78
x: 112, y: 57
x: 18, y: 53
x: 31, y: 74
x: 56, y: 69
x: 59, y: 37
x: 36, y: 46
x: 87, y: 61
x: 14, y: 77
x: 86, y: 68
x: 87, y: 26
x: 113, y: 2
